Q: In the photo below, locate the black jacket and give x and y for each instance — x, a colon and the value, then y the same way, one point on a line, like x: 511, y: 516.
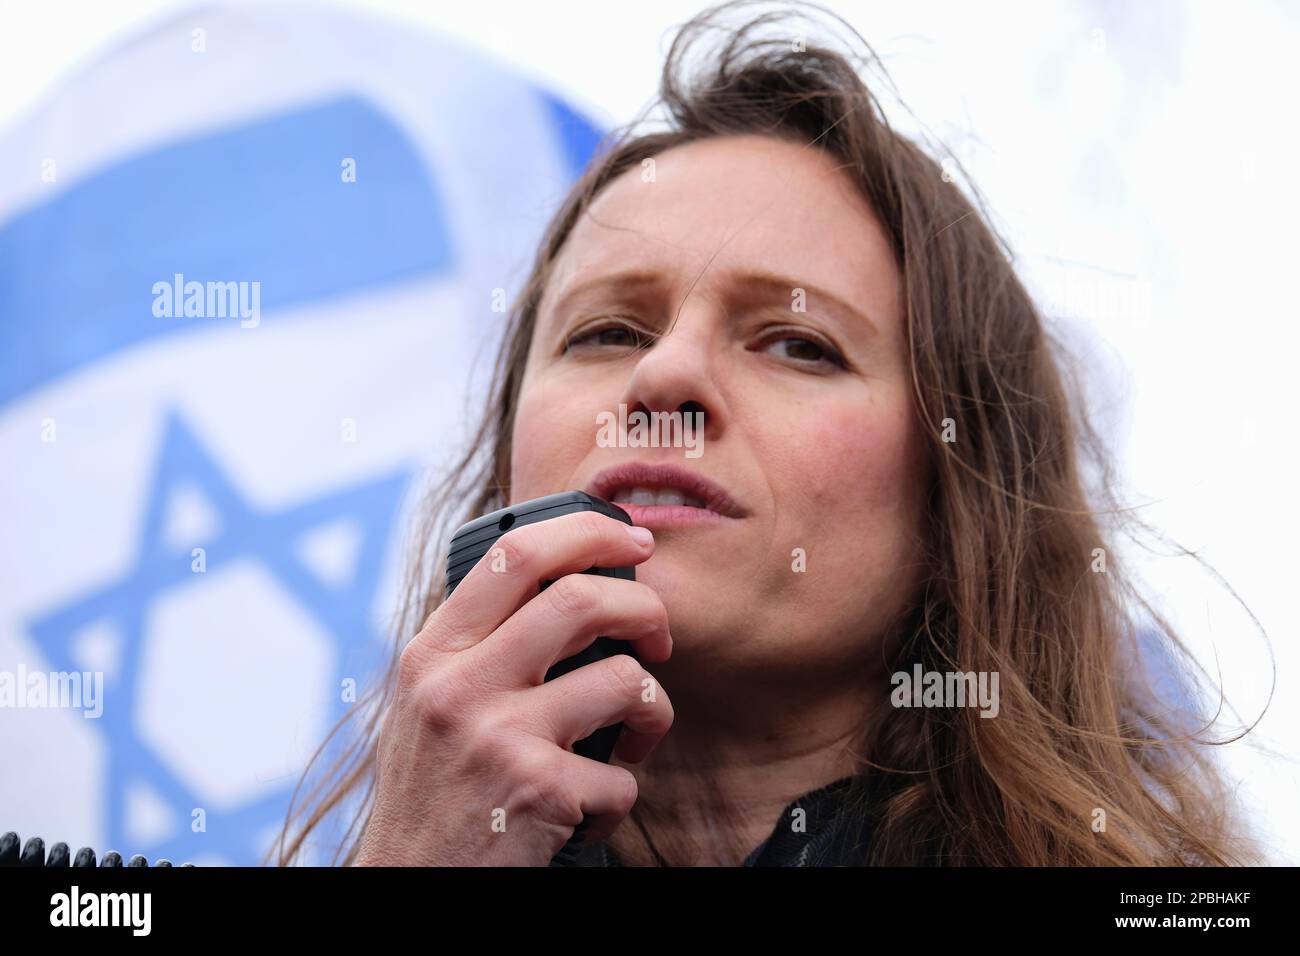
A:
x: 828, y: 836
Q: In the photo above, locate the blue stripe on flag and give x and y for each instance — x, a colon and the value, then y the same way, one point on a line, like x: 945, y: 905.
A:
x: 578, y: 137
x: 263, y: 202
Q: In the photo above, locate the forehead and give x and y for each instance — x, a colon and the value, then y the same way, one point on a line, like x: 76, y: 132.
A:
x: 730, y: 206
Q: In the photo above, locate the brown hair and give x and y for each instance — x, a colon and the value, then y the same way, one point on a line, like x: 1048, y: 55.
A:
x: 1012, y: 526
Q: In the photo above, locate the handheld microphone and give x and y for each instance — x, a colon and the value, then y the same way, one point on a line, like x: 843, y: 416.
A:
x: 475, y: 539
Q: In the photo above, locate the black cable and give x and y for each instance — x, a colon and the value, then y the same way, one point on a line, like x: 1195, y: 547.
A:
x: 33, y: 854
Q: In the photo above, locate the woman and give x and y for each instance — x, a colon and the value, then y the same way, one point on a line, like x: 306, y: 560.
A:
x: 890, y: 485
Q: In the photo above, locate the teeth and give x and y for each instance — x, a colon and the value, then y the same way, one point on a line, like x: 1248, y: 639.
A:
x: 642, y: 496
x: 662, y: 497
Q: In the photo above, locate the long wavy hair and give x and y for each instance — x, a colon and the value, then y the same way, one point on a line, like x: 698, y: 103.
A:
x: 1086, y: 764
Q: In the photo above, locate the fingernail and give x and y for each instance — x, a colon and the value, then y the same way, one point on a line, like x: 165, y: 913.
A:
x: 641, y: 536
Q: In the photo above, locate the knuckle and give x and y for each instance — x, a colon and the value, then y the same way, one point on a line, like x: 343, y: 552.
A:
x: 646, y: 608
x: 431, y: 619
x: 412, y: 664
x: 541, y: 791
x: 490, y: 731
x: 656, y: 610
x: 574, y: 595
x: 512, y: 552
x: 593, y: 531
x: 624, y: 675
x: 439, y: 703
x: 423, y: 652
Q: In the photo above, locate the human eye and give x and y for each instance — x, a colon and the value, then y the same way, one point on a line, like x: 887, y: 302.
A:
x: 804, y: 348
x: 606, y: 334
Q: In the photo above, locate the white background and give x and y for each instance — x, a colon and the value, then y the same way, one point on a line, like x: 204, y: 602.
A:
x: 1142, y: 151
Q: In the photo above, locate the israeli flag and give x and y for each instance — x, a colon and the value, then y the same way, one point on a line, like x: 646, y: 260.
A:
x: 248, y: 262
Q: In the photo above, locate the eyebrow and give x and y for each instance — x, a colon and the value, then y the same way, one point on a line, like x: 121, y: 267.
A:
x: 756, y: 285
x: 783, y: 286
x: 639, y: 281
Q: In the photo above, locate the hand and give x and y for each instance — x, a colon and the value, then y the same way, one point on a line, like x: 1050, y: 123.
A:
x: 474, y: 759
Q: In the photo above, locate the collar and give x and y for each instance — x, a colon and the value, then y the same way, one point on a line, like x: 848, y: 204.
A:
x: 813, y: 837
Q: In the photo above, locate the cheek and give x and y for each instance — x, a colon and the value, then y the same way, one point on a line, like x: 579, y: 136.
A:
x: 856, y: 475
x: 855, y: 487
x: 550, y: 439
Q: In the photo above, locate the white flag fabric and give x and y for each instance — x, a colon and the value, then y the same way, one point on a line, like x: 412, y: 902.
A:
x: 247, y: 261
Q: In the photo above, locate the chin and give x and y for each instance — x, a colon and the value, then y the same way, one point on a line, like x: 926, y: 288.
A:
x: 699, y: 608
x: 675, y: 585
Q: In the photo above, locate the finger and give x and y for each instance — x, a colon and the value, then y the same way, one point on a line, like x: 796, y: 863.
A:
x: 607, y: 794
x: 566, y: 618
x: 601, y: 694
x: 512, y: 571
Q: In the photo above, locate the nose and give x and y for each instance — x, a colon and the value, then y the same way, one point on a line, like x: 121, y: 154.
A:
x: 677, y: 373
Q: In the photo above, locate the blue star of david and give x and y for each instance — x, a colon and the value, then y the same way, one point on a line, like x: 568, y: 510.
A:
x: 341, y: 612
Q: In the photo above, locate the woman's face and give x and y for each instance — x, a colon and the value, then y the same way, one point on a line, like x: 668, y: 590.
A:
x: 789, y: 338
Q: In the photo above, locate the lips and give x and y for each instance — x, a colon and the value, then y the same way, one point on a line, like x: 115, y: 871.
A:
x: 643, y: 485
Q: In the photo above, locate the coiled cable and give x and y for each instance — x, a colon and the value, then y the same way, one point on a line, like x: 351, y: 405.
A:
x: 33, y: 854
